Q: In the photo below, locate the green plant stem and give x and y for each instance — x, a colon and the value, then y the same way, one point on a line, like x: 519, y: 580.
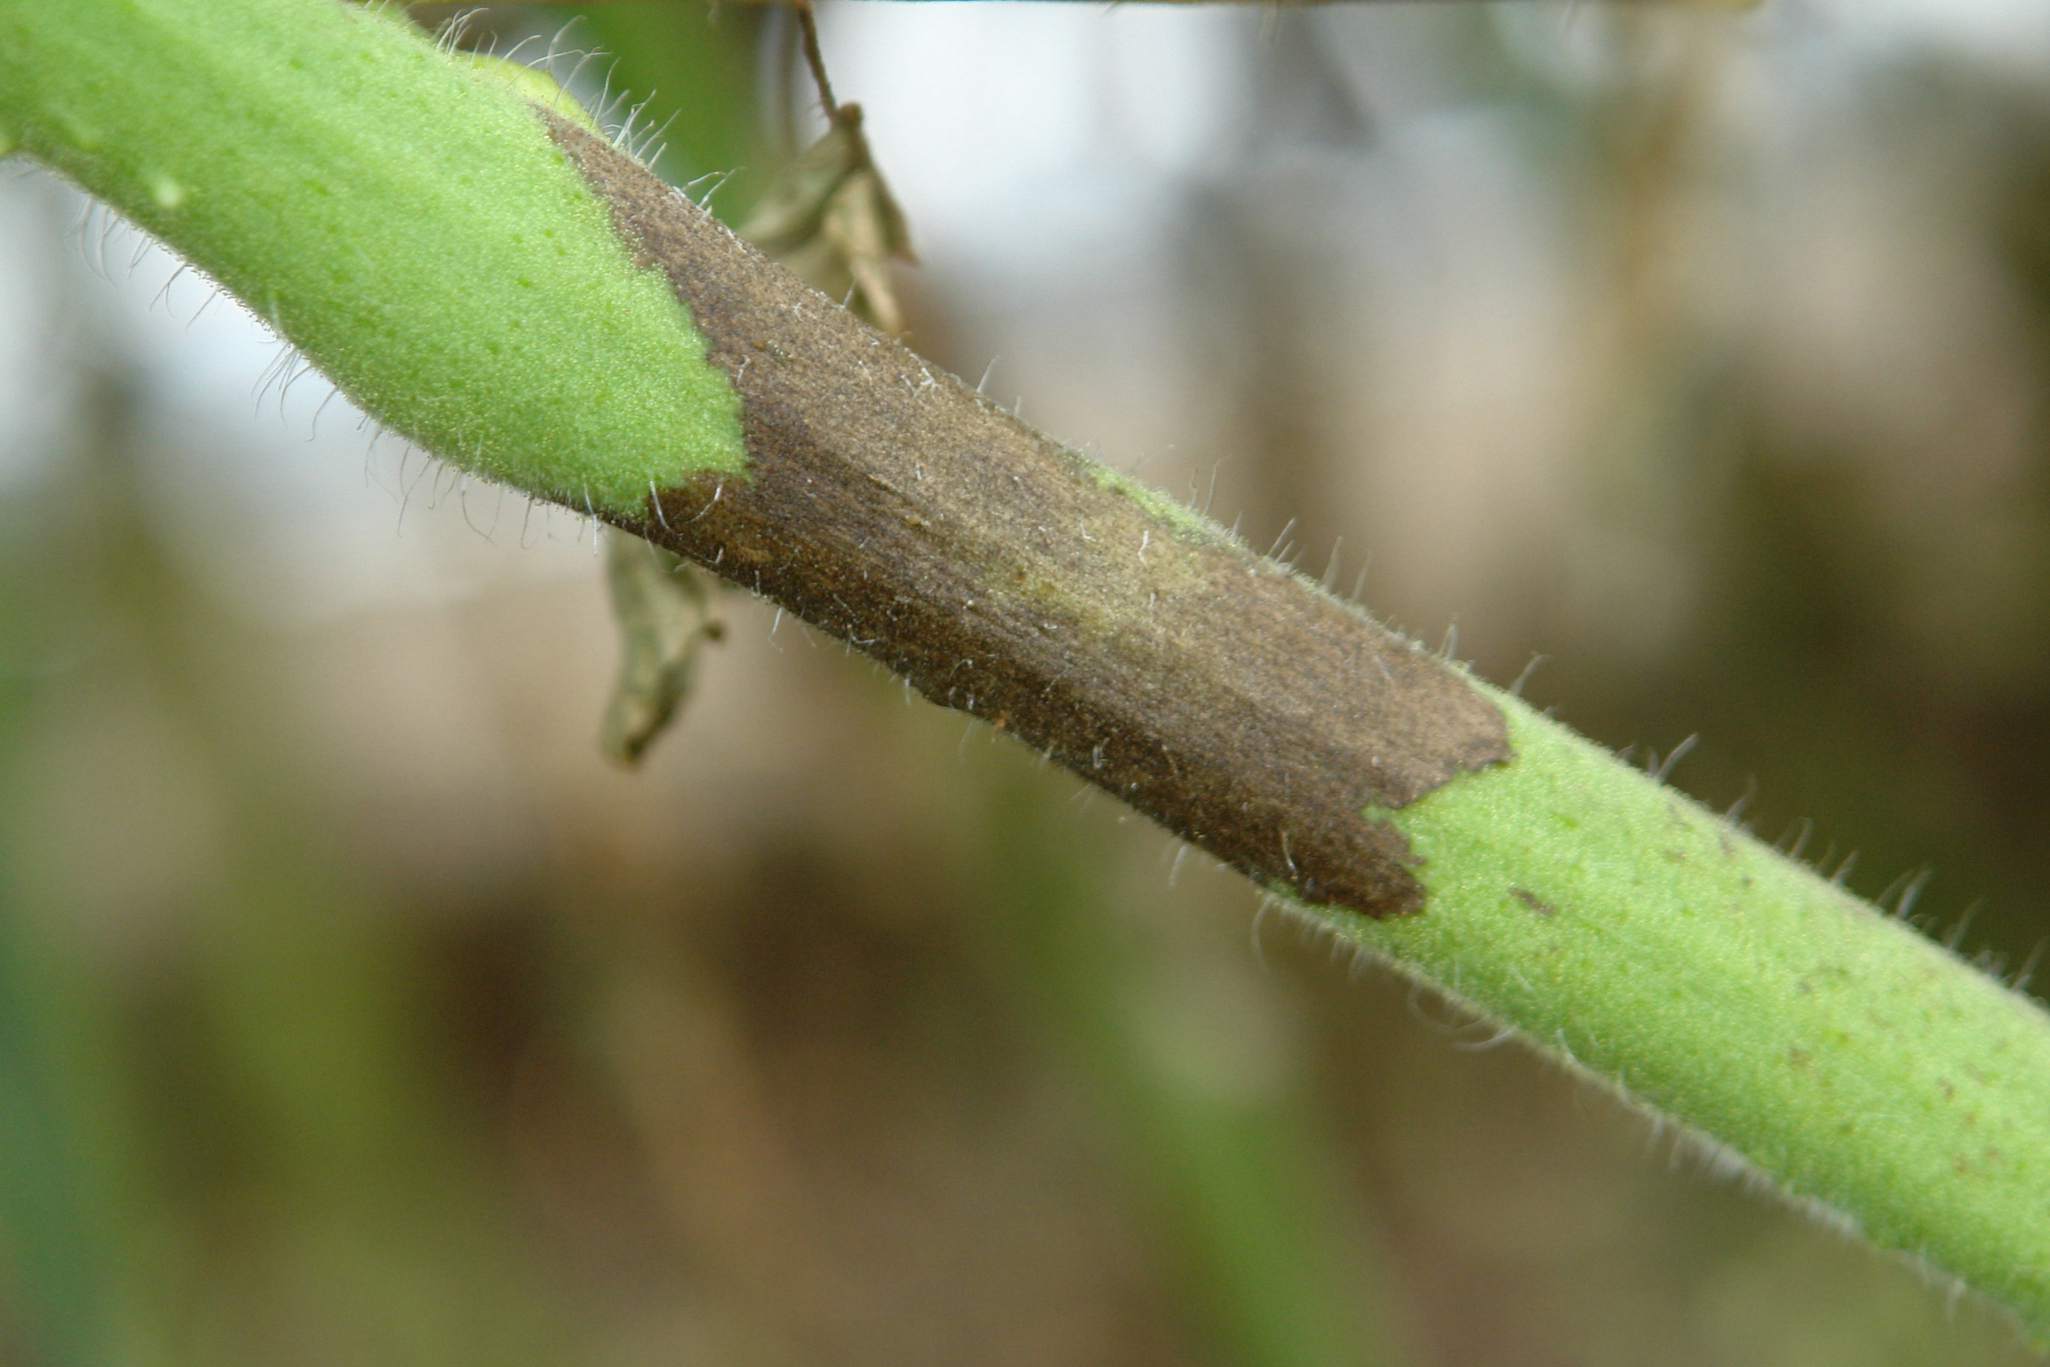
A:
x: 393, y: 214
x: 522, y: 347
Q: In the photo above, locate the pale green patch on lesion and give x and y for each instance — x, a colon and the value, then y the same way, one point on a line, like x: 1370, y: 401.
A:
x: 1185, y: 522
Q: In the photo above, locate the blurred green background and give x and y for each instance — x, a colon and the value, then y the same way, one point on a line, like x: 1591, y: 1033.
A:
x: 353, y: 1009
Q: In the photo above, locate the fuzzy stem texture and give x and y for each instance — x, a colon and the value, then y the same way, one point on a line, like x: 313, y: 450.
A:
x: 532, y: 306
x: 396, y: 212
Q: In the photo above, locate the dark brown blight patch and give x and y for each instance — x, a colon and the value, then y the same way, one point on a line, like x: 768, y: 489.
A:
x: 891, y: 506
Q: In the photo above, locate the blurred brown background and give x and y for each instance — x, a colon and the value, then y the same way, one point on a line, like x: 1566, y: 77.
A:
x: 352, y: 1009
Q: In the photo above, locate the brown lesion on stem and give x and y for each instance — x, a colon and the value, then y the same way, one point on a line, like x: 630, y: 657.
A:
x: 891, y: 506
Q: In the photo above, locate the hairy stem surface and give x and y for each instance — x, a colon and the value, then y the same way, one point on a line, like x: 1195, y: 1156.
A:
x: 534, y: 306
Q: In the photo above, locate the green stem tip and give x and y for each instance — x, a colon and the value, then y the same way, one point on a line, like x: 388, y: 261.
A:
x: 398, y: 213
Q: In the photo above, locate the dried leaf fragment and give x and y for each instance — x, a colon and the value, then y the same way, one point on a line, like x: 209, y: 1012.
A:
x: 664, y: 611
x: 833, y: 221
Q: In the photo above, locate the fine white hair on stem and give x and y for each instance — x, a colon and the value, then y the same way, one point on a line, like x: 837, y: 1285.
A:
x: 204, y: 305
x: 1455, y: 1019
x: 463, y: 503
x: 313, y: 427
x: 623, y: 135
x: 82, y: 231
x: 1734, y: 818
x: 555, y: 43
x: 451, y: 35
x: 1910, y: 894
x: 1516, y: 688
x: 163, y: 294
x: 512, y: 54
x: 109, y: 222
x: 370, y: 479
x: 585, y: 59
x: 695, y: 181
x: 1964, y: 923
x: 303, y: 366
x: 1664, y: 769
x: 406, y: 498
x: 1281, y: 537
x: 1501, y: 1036
x: 718, y: 489
x: 718, y: 184
x: 654, y: 134
x: 1174, y: 867
x: 269, y: 375
x: 438, y: 493
x: 1210, y: 494
x: 2020, y: 979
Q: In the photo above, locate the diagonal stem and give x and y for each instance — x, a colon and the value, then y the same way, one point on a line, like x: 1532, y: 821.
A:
x: 532, y: 305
